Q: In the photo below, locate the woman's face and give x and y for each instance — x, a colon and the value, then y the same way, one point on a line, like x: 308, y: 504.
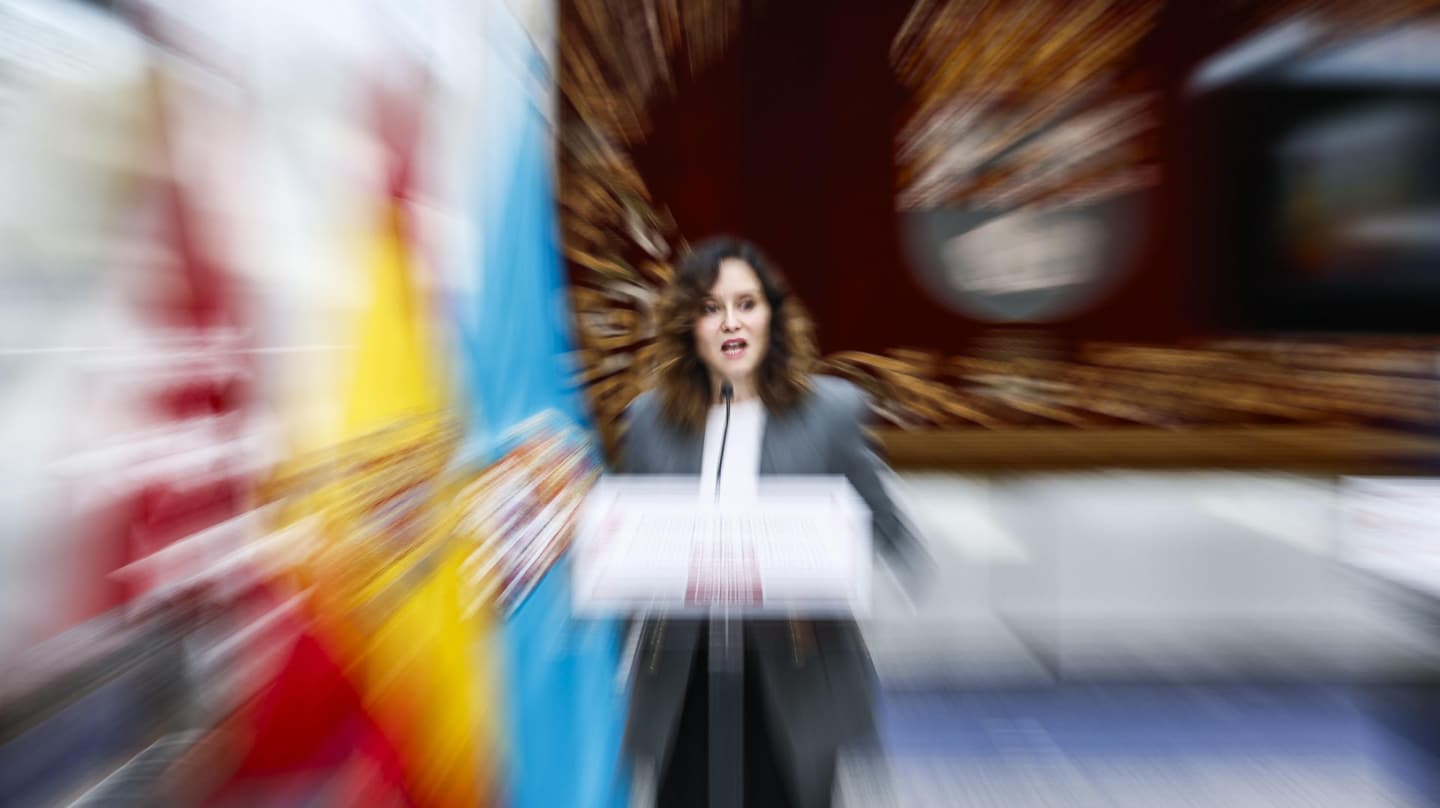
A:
x: 732, y: 332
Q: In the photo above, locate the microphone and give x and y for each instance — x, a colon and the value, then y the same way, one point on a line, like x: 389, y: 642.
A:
x: 727, y: 392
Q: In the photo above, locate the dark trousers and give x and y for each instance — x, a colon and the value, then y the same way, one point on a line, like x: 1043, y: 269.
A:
x: 685, y: 783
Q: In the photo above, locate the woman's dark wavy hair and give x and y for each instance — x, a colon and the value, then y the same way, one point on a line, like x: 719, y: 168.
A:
x: 783, y: 377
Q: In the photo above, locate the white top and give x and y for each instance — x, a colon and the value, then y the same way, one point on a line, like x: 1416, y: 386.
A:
x: 739, y: 478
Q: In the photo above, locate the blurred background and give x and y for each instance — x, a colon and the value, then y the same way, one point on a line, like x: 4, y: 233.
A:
x: 316, y: 321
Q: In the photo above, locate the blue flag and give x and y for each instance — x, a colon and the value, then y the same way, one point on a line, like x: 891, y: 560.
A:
x: 565, y: 712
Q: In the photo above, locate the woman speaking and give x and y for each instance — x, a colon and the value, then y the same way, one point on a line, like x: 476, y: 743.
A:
x: 732, y: 337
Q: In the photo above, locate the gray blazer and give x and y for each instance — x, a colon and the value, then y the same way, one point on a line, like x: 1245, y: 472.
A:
x: 816, y: 676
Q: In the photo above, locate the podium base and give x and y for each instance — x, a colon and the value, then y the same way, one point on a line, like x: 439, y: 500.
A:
x: 727, y: 711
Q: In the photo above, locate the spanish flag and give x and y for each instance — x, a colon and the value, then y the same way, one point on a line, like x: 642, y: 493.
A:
x: 397, y: 621
x: 382, y: 572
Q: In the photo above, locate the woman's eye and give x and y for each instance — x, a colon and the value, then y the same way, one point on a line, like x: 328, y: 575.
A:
x: 710, y: 308
x: 747, y: 305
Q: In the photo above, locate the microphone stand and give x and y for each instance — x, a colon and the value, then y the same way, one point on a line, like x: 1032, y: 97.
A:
x: 727, y: 393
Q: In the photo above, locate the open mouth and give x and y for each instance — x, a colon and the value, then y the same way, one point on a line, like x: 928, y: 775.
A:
x: 733, y: 348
